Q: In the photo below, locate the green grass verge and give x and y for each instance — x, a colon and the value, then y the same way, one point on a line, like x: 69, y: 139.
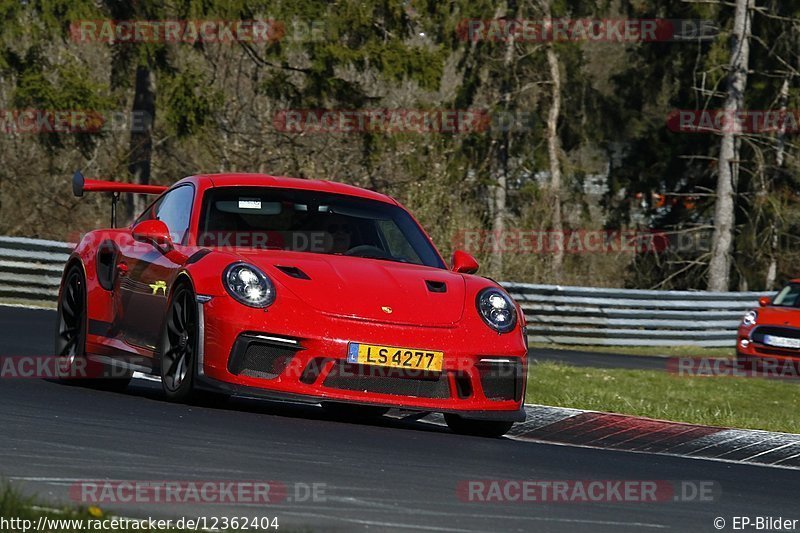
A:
x: 41, y: 304
x: 670, y: 351
x: 13, y: 505
x: 753, y: 403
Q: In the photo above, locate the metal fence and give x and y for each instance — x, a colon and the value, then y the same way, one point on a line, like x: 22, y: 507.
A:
x: 628, y: 317
x: 30, y: 270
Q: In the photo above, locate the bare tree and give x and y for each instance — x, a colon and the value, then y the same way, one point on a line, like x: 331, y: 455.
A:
x: 553, y: 149
x: 728, y: 163
x: 503, y: 146
x: 141, y: 146
x: 780, y: 149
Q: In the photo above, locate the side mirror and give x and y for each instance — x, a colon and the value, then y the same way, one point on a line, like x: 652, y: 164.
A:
x: 764, y: 301
x: 154, y: 232
x: 464, y: 263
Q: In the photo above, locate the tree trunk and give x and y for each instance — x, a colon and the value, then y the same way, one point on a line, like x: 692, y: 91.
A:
x: 499, y: 213
x: 553, y: 150
x: 780, y: 149
x: 141, y: 145
x: 727, y: 166
x: 501, y: 163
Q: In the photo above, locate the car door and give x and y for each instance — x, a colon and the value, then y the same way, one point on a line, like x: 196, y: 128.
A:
x: 146, y: 271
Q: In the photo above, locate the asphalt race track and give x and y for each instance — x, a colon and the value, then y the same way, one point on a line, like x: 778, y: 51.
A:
x: 394, y: 475
x: 599, y: 359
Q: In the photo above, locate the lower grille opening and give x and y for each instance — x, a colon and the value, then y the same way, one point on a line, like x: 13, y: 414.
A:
x: 383, y: 380
x: 501, y: 380
x: 312, y: 370
x: 256, y: 358
x: 463, y: 385
x: 780, y: 352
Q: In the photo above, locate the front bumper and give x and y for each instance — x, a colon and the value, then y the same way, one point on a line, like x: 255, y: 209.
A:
x: 302, y: 356
x: 751, y: 344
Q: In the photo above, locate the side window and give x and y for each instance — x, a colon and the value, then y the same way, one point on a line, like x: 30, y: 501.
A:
x: 788, y: 296
x: 175, y: 210
x: 149, y: 213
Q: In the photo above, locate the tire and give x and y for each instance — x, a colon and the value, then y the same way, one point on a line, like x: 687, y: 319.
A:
x: 70, y: 338
x: 477, y: 428
x: 178, y: 347
x: 353, y: 412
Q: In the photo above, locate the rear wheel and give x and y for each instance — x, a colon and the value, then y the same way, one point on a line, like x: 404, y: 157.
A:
x: 71, y: 326
x: 70, y: 341
x: 478, y: 428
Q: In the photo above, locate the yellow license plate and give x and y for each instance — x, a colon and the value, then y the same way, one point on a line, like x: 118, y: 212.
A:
x: 392, y: 356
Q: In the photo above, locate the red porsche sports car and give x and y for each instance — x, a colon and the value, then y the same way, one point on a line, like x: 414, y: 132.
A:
x: 294, y: 289
x: 772, y: 332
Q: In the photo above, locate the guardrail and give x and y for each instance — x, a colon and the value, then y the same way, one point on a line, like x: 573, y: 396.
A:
x: 30, y: 270
x: 629, y: 317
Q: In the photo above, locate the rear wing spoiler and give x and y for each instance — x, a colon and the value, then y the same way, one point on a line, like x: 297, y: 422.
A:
x: 81, y: 185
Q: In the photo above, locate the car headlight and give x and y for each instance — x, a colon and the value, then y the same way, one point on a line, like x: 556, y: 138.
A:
x: 750, y: 318
x: 248, y: 285
x: 497, y: 310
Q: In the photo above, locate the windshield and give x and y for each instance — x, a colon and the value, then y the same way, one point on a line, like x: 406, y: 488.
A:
x: 314, y: 222
x: 788, y: 297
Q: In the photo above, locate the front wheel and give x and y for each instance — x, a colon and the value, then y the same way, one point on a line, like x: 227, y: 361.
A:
x: 178, y: 347
x: 477, y: 428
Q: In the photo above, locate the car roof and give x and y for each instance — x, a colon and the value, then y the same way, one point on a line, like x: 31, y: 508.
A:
x: 265, y: 180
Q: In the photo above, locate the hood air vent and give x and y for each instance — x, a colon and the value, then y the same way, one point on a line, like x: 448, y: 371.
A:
x: 436, y: 286
x: 293, y: 272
